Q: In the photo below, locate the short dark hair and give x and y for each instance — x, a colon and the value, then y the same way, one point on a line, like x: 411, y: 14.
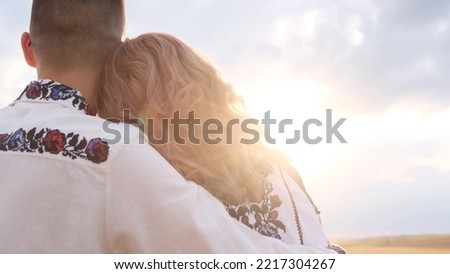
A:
x: 71, y: 33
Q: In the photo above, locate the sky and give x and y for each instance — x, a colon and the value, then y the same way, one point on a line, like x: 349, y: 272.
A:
x: 383, y: 65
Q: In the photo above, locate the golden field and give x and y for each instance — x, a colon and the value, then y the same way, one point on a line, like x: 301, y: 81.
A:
x: 423, y: 244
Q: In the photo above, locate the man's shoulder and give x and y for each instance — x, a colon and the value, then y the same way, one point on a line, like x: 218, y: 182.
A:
x: 91, y: 127
x: 113, y: 133
x: 65, y: 135
x: 122, y: 133
x: 118, y: 138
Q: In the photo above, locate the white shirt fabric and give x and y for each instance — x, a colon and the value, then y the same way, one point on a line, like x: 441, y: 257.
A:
x: 67, y: 187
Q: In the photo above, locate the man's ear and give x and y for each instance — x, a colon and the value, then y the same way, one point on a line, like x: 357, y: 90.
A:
x: 27, y: 49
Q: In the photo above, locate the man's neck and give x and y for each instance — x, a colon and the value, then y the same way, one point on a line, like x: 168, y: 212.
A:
x: 86, y: 82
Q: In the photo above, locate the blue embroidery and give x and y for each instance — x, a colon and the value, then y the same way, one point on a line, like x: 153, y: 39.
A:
x: 55, y: 142
x: 51, y: 90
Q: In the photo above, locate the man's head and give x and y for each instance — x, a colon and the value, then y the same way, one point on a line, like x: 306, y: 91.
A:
x: 71, y: 34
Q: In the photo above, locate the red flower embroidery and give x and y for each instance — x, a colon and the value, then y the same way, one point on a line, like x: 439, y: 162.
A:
x: 33, y: 91
x: 51, y: 90
x: 97, y: 151
x: 3, y: 138
x: 54, y: 141
x: 3, y: 142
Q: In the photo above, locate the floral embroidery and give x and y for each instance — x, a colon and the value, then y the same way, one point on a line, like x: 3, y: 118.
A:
x: 97, y: 151
x: 261, y: 216
x: 55, y: 142
x: 51, y: 90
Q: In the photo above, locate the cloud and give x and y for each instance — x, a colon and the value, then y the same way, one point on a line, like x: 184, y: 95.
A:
x: 373, y: 55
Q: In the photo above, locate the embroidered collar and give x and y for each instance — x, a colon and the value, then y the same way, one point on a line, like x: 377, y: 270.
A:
x: 49, y: 90
x: 52, y: 140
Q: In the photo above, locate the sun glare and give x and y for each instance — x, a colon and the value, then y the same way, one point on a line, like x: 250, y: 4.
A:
x: 288, y: 96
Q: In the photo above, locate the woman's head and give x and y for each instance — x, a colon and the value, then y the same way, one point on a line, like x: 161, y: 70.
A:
x: 157, y: 73
x: 155, y: 76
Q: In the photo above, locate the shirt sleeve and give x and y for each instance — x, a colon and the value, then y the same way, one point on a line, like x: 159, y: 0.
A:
x: 151, y: 208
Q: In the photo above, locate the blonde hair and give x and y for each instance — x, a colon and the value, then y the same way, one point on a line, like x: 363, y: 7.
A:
x: 156, y: 75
